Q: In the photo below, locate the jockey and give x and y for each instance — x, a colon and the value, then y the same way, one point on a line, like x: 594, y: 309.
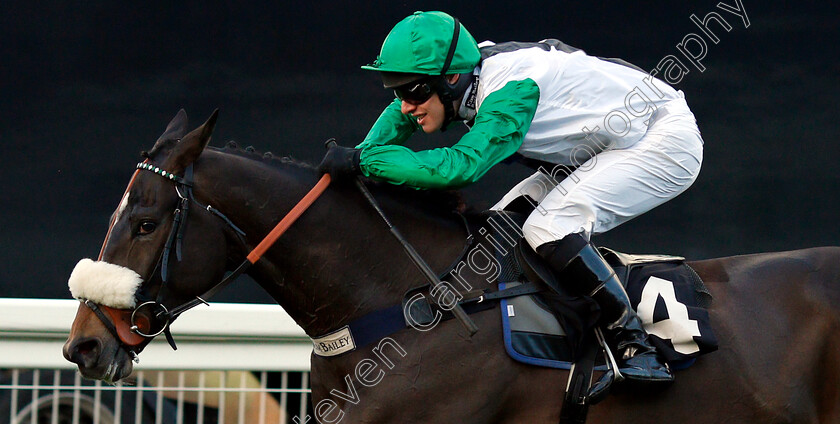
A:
x: 631, y: 139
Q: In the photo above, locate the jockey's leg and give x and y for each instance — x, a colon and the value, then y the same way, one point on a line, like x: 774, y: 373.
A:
x: 609, y: 189
x: 588, y: 274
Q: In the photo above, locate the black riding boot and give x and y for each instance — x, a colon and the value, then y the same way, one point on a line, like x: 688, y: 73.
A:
x: 588, y: 273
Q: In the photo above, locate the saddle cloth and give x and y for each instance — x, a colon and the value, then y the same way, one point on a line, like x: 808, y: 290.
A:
x: 668, y: 295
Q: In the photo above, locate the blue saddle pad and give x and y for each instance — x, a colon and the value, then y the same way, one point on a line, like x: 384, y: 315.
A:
x: 531, y: 332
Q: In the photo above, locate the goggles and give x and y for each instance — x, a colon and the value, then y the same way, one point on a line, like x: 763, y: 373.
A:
x: 417, y: 92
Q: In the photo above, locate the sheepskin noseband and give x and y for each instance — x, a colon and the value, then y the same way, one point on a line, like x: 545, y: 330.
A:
x: 104, y: 283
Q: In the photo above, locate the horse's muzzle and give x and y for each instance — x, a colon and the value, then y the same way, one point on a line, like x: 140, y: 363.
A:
x: 98, y: 359
x: 83, y: 352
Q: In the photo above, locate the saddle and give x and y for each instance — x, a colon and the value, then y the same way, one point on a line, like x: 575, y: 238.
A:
x: 549, y: 329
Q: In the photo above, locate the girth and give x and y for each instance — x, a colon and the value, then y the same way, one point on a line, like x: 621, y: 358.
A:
x: 417, y: 310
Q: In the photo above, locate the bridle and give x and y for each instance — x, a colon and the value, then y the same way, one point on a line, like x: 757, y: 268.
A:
x: 137, y: 328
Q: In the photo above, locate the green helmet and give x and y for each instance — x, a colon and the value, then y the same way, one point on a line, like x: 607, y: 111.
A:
x: 420, y: 44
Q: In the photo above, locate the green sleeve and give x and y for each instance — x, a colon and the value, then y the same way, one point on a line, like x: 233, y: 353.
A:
x: 500, y: 126
x: 392, y: 127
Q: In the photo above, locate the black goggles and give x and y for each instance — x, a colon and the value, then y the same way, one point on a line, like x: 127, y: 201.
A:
x: 417, y: 92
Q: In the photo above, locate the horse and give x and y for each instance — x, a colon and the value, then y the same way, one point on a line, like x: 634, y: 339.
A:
x: 776, y: 315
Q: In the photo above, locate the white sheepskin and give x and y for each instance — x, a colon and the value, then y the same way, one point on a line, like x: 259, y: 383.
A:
x: 104, y: 283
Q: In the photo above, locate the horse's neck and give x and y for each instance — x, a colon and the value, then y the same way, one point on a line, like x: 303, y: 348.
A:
x: 338, y: 261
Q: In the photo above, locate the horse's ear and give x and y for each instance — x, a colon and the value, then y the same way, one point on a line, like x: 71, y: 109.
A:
x: 191, y: 145
x: 174, y: 131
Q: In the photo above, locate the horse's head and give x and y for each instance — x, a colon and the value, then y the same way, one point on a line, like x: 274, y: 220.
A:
x: 159, y: 253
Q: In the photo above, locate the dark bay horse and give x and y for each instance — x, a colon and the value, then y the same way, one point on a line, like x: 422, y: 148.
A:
x: 776, y: 315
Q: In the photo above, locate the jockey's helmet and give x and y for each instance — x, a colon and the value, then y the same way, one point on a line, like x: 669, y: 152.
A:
x: 426, y: 45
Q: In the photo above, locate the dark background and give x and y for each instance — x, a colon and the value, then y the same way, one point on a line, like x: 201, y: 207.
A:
x: 85, y: 86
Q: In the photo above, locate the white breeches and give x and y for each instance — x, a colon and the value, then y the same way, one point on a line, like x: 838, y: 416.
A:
x: 615, y: 186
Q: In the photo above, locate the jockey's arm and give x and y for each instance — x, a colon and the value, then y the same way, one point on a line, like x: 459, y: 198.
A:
x: 392, y: 127
x: 501, y: 123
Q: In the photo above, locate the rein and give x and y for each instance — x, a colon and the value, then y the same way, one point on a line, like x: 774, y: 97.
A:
x: 138, y: 325
x: 262, y: 247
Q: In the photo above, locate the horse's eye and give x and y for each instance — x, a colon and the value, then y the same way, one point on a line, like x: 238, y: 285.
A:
x: 147, y: 227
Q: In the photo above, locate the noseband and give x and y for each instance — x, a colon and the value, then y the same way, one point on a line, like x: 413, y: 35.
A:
x: 145, y: 326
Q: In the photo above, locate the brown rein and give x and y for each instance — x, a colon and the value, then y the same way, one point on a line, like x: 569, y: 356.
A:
x: 289, y: 219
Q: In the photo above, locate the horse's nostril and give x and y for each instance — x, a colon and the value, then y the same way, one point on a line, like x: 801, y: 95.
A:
x: 87, y: 347
x: 85, y: 352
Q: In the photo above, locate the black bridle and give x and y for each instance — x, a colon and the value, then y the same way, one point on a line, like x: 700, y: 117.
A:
x: 183, y: 187
x: 161, y: 316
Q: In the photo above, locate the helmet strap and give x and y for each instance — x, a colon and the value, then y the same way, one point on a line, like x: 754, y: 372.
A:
x: 452, y: 45
x: 448, y: 115
x: 449, y: 92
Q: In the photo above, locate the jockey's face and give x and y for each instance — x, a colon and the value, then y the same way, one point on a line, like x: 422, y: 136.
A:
x: 429, y: 115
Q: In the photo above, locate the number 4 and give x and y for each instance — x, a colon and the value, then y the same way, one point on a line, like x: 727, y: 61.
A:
x: 678, y: 328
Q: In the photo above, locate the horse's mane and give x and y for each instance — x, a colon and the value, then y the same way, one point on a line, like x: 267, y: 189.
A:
x: 432, y: 201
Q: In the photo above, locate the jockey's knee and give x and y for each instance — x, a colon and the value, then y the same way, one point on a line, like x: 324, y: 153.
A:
x: 538, y: 230
x: 541, y: 228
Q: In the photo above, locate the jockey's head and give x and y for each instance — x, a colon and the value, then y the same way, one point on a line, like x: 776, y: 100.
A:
x: 422, y: 55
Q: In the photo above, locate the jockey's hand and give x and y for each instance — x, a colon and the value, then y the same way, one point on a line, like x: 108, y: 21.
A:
x: 341, y: 162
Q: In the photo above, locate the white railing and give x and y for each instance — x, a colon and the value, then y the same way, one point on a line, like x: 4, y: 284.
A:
x: 234, y: 363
